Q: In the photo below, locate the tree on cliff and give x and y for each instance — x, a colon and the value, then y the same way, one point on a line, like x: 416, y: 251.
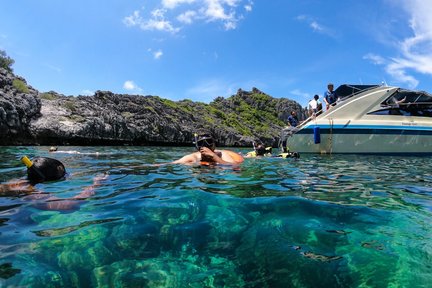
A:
x: 5, y: 61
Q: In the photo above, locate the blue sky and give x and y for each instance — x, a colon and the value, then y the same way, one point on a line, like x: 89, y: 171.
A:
x: 201, y: 49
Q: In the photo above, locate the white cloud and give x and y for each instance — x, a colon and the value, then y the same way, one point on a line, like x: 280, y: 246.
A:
x: 131, y: 86
x: 215, y: 10
x: 187, y: 17
x: 133, y: 20
x: 300, y: 93
x: 397, y: 70
x: 157, y: 22
x: 87, y: 92
x: 171, y: 4
x: 316, y: 26
x: 160, y: 25
x: 415, y: 51
x: 158, y: 54
x: 375, y: 59
x: 230, y: 25
x: 166, y: 16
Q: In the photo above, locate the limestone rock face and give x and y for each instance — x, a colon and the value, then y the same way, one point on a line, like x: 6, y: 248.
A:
x: 17, y: 108
x: 30, y: 117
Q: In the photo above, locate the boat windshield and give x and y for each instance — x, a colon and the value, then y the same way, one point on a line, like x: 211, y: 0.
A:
x: 346, y: 91
x: 407, y: 103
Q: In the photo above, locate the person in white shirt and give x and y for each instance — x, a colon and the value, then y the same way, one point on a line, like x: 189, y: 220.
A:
x: 314, y: 106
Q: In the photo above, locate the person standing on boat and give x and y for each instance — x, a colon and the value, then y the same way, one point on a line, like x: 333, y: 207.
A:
x: 292, y: 119
x: 314, y: 106
x: 330, y: 96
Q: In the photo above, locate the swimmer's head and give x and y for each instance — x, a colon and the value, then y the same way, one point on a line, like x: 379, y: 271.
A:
x: 261, y: 150
x: 52, y: 149
x: 204, y: 139
x: 51, y: 169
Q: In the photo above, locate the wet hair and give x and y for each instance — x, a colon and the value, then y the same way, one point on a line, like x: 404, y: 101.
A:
x: 50, y: 168
x: 261, y: 150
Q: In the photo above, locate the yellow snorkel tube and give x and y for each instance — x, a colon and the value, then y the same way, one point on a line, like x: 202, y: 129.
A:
x: 29, y: 164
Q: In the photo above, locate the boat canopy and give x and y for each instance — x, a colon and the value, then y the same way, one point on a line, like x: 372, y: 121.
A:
x: 348, y: 90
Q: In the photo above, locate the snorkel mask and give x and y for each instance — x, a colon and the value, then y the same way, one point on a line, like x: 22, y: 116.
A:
x: 260, y: 149
x: 204, y: 140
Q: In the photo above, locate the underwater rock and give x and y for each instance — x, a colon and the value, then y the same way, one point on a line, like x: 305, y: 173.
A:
x: 373, y: 245
x: 342, y: 232
x: 69, y: 229
x: 3, y: 221
x: 137, y: 239
x: 320, y: 257
x: 227, y: 226
x: 7, y: 271
x: 183, y: 270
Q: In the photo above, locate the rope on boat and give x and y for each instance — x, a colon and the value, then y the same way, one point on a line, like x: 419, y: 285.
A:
x: 330, y: 138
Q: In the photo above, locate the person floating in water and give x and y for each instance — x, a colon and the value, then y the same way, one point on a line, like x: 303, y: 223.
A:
x: 44, y: 169
x: 259, y: 150
x: 207, y: 153
x: 53, y: 149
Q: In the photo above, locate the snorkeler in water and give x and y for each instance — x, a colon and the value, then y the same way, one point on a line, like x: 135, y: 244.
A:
x: 259, y: 151
x: 288, y: 155
x: 44, y: 169
x: 207, y: 153
x: 54, y: 149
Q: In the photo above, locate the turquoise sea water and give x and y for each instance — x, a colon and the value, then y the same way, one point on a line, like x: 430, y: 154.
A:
x: 320, y: 221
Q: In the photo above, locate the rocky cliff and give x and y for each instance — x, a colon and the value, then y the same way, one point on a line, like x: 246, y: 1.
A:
x: 28, y: 117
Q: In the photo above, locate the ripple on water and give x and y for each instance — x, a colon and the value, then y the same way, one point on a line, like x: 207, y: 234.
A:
x: 329, y: 221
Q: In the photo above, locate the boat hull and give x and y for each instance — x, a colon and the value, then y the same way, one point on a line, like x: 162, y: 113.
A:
x: 362, y: 140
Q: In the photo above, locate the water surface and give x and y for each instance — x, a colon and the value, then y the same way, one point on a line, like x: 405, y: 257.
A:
x: 320, y: 221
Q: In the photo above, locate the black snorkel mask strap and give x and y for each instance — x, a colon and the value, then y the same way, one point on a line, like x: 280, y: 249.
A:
x: 196, y: 141
x: 254, y: 146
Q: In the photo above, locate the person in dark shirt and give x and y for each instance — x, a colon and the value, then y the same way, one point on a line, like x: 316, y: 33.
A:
x: 330, y: 96
x: 292, y: 119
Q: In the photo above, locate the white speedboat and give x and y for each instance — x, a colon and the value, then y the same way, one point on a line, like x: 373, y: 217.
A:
x: 367, y: 119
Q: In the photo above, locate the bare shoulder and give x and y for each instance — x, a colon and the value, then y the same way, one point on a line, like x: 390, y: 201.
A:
x: 187, y: 159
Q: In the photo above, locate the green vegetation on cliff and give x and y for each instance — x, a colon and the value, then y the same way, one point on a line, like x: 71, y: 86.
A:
x: 5, y: 61
x: 250, y: 112
x: 20, y: 86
